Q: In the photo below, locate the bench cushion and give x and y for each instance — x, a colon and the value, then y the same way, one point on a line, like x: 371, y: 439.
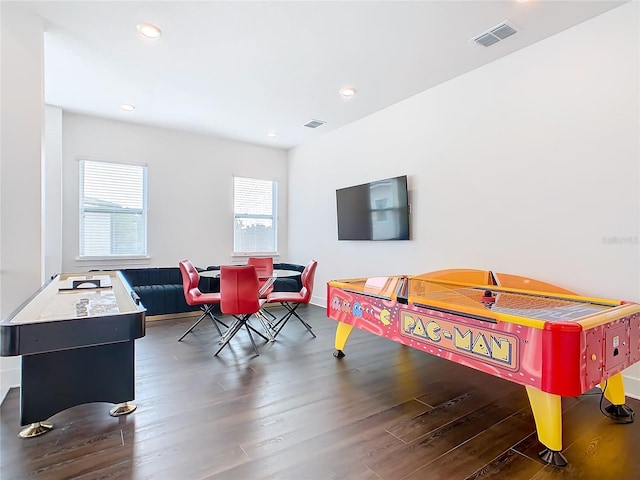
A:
x: 160, y: 288
x: 288, y: 284
x: 163, y: 299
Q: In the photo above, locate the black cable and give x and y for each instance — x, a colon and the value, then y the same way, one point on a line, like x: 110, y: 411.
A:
x: 619, y: 418
x: 606, y: 382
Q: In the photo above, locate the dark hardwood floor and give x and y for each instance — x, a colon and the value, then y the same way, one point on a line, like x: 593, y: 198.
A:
x: 295, y: 412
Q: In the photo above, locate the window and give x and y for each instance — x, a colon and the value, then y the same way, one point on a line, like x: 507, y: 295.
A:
x: 113, y: 209
x: 254, y: 215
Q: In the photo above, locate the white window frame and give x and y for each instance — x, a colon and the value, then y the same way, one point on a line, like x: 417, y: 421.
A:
x: 142, y: 254
x: 273, y: 217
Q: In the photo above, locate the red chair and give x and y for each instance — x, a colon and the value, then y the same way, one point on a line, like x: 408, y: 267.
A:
x: 264, y: 269
x: 292, y: 300
x: 240, y: 297
x: 193, y: 296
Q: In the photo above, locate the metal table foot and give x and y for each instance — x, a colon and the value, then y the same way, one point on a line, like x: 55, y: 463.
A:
x: 122, y: 409
x: 36, y: 429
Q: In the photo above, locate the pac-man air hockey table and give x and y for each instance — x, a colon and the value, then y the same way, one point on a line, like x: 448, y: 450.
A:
x: 553, y: 341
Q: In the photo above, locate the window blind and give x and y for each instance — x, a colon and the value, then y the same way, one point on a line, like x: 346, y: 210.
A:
x: 113, y: 209
x: 254, y: 215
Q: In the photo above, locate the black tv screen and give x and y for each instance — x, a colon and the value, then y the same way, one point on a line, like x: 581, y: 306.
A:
x: 374, y: 211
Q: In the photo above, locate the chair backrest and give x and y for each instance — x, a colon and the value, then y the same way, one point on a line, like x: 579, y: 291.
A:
x: 190, y: 281
x: 308, y: 274
x: 264, y: 266
x: 239, y: 287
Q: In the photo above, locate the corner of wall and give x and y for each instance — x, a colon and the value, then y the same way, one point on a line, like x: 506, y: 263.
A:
x: 10, y: 367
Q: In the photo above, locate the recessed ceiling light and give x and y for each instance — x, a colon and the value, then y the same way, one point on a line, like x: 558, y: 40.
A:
x: 272, y: 134
x: 127, y: 107
x: 348, y: 92
x: 148, y: 30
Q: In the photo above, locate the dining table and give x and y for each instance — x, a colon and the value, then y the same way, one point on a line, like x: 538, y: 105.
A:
x: 277, y: 273
x: 268, y: 279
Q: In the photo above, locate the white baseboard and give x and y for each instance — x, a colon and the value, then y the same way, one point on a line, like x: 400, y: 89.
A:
x: 318, y: 302
x: 632, y: 387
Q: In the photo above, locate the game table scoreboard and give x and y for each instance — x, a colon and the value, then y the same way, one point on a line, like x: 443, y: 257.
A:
x: 550, y: 340
x: 76, y: 338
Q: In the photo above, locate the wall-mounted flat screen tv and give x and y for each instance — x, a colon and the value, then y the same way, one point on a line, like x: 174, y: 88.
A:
x: 374, y: 211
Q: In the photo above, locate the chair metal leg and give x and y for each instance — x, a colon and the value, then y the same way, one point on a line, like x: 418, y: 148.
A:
x: 257, y: 332
x: 229, y: 334
x: 291, y: 312
x: 274, y: 326
x: 306, y: 325
x: 265, y: 325
x: 282, y: 322
x: 255, y: 348
x: 207, y: 311
x: 285, y: 317
x: 235, y: 328
x: 225, y: 334
x: 213, y: 319
x: 192, y: 326
x: 266, y: 310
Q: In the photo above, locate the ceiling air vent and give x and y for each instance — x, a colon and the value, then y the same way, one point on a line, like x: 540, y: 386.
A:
x: 495, y: 34
x: 314, y: 123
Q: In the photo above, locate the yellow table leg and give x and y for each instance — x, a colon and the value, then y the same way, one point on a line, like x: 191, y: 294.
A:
x: 614, y: 392
x: 342, y: 335
x: 547, y: 413
x: 614, y: 389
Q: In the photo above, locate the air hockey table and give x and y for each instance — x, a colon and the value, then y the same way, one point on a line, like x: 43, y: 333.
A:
x: 76, y: 338
x: 554, y: 342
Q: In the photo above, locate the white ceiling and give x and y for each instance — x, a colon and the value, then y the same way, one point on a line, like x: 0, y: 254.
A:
x: 239, y: 69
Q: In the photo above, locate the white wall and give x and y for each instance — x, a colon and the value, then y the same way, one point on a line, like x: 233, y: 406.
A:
x: 52, y: 192
x: 190, y: 187
x: 21, y: 116
x: 528, y: 165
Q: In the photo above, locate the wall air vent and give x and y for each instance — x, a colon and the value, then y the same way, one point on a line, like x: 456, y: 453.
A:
x: 495, y: 34
x: 314, y: 123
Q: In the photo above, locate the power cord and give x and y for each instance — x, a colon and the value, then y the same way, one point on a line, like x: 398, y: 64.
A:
x: 602, y: 410
x: 623, y: 414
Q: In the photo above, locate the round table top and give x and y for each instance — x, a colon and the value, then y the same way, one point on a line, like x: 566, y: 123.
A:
x: 277, y: 273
